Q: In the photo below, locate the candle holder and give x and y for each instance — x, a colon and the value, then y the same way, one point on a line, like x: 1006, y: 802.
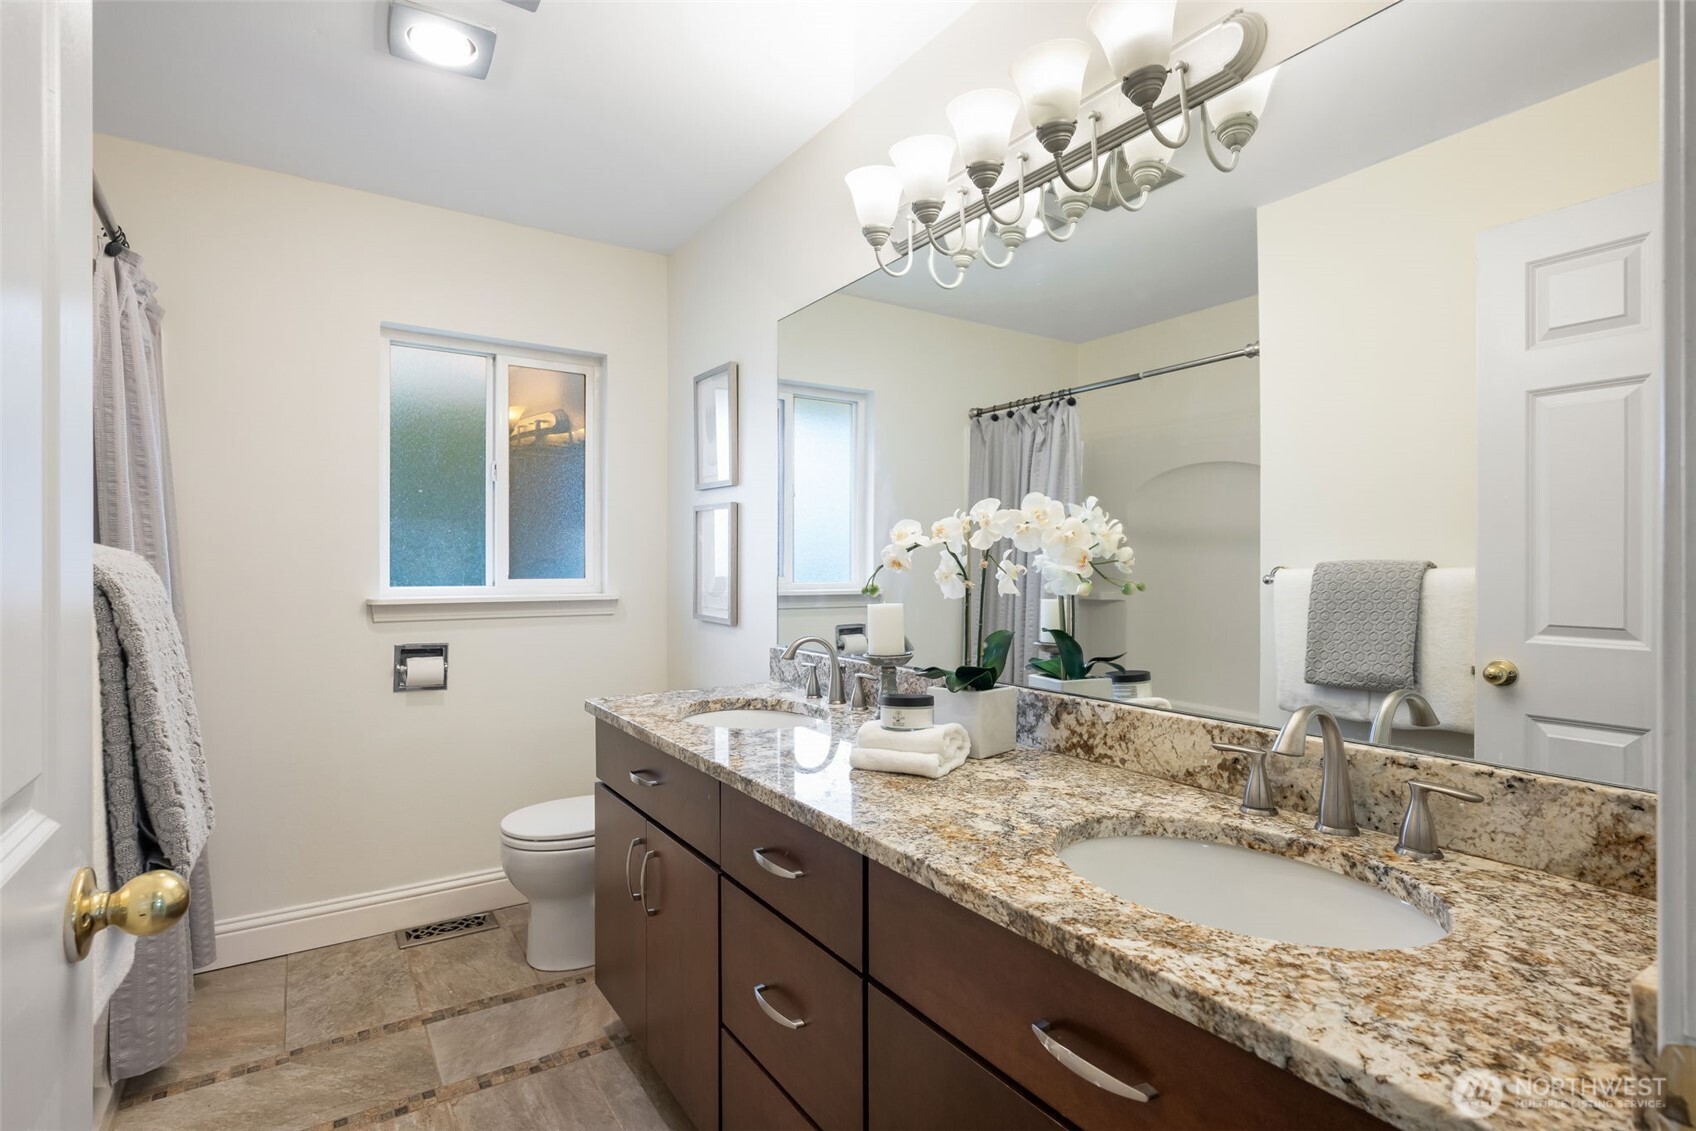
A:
x: 886, y: 667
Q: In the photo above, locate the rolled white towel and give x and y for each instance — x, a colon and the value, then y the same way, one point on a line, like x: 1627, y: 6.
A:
x: 927, y: 753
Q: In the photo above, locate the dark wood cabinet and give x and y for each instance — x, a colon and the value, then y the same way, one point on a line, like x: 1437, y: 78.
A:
x: 621, y: 927
x: 752, y: 1099
x: 809, y: 879
x: 680, y: 900
x: 919, y: 1080
x: 678, y: 797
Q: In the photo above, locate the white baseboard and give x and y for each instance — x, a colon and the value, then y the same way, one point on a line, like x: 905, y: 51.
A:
x: 306, y: 926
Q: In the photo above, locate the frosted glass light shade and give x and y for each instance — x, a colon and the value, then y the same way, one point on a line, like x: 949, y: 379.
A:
x: 983, y: 125
x: 1050, y: 79
x: 1146, y: 147
x: 1245, y: 98
x: 877, y: 195
x: 924, y: 162
x: 1134, y: 33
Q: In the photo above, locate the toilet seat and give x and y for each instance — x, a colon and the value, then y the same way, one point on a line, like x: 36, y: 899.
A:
x: 552, y: 826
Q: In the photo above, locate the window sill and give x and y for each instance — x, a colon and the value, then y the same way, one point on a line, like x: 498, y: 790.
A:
x: 491, y: 606
x: 836, y: 599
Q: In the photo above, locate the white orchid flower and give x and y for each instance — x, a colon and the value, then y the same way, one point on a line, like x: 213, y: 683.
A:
x: 948, y: 579
x: 1088, y: 510
x: 983, y: 538
x: 983, y: 511
x: 1067, y: 535
x: 1070, y: 559
x: 908, y: 532
x: 950, y: 532
x: 896, y: 557
x: 1027, y: 535
x: 1042, y: 510
x: 1009, y: 573
x: 1063, y: 584
x: 1086, y: 586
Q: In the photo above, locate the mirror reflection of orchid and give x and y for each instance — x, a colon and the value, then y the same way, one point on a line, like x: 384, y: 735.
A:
x: 1073, y: 546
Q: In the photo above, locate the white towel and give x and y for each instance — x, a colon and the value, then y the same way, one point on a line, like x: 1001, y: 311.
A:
x: 1290, y: 589
x: 1447, y: 622
x: 927, y: 753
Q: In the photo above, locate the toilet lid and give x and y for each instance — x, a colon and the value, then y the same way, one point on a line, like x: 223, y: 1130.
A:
x: 569, y: 818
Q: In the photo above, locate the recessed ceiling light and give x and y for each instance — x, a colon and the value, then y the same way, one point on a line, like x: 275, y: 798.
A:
x: 439, y: 40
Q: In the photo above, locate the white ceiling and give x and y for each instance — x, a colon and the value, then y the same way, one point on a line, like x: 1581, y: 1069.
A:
x: 1416, y: 72
x: 632, y: 123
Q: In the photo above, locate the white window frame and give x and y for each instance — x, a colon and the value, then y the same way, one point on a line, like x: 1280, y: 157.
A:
x: 860, y: 551
x: 500, y: 588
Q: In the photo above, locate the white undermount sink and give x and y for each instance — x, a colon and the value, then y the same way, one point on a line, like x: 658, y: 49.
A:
x: 750, y: 718
x: 1250, y: 893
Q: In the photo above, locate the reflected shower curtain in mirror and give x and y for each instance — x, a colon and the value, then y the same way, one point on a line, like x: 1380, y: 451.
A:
x: 135, y: 510
x: 1013, y: 454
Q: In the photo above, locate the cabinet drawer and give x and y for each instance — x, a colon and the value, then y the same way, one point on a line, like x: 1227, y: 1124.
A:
x: 751, y: 1101
x: 986, y: 987
x: 919, y: 1079
x: 826, y: 897
x: 819, y: 1062
x: 681, y: 798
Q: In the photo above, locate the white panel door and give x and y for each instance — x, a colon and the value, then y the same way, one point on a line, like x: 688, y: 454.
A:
x: 46, y: 484
x: 1569, y: 390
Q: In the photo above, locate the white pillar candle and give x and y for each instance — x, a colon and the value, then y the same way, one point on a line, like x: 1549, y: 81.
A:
x: 886, y: 635
x: 1050, y: 618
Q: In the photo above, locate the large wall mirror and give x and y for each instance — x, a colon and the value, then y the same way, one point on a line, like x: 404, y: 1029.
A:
x: 1428, y: 294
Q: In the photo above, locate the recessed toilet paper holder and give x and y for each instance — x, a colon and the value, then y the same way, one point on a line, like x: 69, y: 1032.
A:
x: 405, y: 652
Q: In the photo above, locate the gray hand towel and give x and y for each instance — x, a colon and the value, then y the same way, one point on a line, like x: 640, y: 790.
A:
x: 157, y: 797
x: 1363, y: 624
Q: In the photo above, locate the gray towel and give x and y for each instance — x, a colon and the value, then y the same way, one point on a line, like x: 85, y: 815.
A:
x: 1363, y: 624
x: 159, y: 805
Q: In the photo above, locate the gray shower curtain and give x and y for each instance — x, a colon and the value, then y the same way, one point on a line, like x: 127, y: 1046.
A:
x: 1013, y: 454
x: 135, y: 510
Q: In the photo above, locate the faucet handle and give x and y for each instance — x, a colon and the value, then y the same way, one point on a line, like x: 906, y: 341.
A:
x: 1419, y: 830
x: 863, y: 699
x: 812, y: 684
x: 1257, y: 791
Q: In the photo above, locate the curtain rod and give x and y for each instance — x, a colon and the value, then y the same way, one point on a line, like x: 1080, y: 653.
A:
x: 1250, y: 350
x: 116, y: 241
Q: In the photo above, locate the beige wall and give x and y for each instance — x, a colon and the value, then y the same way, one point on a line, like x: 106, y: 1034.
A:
x: 792, y: 240
x: 1367, y: 317
x: 1177, y: 459
x: 924, y: 372
x: 327, y: 783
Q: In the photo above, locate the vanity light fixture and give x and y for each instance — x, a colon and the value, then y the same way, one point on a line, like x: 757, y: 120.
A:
x: 1131, y: 155
x: 421, y: 35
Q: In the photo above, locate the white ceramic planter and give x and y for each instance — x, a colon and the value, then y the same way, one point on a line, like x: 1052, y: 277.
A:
x: 1096, y: 687
x: 990, y: 717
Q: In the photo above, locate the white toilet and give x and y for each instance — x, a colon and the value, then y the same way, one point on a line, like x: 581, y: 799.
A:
x: 548, y: 852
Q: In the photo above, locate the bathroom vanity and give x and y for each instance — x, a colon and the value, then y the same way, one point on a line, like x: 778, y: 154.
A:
x: 796, y: 945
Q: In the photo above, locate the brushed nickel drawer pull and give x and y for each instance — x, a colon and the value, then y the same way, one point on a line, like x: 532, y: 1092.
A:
x: 635, y: 894
x: 786, y: 1022
x: 642, y: 883
x: 1078, y: 1066
x: 644, y: 777
x: 774, y: 868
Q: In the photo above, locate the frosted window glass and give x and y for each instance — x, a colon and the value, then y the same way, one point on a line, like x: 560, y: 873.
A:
x: 824, y: 490
x: 547, y: 465
x: 438, y: 467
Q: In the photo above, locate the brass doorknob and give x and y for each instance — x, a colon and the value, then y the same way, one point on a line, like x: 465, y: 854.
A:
x: 146, y: 905
x: 1500, y: 673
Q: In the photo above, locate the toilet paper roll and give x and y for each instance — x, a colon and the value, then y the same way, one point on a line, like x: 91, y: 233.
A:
x: 854, y: 644
x: 425, y: 672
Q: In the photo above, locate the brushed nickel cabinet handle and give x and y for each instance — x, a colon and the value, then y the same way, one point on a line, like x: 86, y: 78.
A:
x: 771, y: 1012
x: 642, y: 883
x: 628, y: 853
x: 774, y: 868
x: 644, y: 777
x: 1078, y: 1066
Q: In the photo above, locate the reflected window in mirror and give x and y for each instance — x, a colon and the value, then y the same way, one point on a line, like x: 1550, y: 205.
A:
x: 824, y: 441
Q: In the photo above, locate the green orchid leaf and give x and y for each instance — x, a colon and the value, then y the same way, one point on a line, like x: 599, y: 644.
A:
x: 935, y: 673
x: 1071, y: 655
x: 974, y: 679
x: 995, y: 648
x: 1049, y: 668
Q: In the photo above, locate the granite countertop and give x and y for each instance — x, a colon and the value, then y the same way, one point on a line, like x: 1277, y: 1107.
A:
x: 1532, y: 982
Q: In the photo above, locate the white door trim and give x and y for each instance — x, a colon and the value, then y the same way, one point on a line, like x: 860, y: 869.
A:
x: 1677, y: 724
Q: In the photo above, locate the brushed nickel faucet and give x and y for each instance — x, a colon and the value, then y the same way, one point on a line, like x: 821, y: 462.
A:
x: 1257, y: 790
x: 1336, y: 797
x: 1419, y: 712
x: 1419, y: 831
x: 837, y: 697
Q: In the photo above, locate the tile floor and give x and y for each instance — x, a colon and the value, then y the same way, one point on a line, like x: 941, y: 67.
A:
x: 454, y: 1035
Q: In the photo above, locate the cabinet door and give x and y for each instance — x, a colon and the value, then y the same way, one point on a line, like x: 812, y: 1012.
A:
x: 752, y: 1100
x: 681, y: 901
x: 621, y: 929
